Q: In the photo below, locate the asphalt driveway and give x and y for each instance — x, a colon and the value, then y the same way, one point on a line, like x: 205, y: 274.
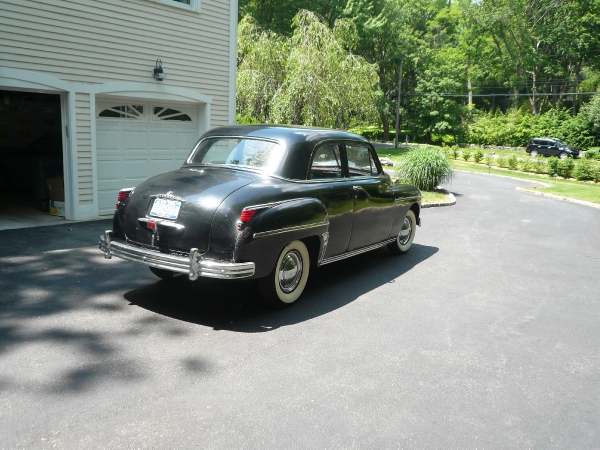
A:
x: 485, y: 335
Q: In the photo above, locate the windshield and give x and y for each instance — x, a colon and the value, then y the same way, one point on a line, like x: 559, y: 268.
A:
x: 255, y: 153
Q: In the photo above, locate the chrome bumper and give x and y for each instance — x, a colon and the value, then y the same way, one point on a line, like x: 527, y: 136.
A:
x: 194, y: 265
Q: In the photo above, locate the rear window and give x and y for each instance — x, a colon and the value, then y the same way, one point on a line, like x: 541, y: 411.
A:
x: 255, y: 153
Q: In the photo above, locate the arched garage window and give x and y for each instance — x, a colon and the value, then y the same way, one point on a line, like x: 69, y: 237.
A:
x: 123, y: 112
x: 165, y: 113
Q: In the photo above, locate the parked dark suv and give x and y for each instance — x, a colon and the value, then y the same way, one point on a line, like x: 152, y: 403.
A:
x: 551, y: 147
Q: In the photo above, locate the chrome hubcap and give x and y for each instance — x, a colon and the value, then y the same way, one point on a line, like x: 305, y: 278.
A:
x: 290, y: 271
x: 405, y: 232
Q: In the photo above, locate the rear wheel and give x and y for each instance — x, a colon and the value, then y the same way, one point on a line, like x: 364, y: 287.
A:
x: 405, y: 238
x: 534, y: 153
x: 284, y: 285
x: 162, y: 273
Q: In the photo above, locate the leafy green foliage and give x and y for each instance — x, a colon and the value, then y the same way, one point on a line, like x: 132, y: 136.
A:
x: 586, y: 170
x: 517, y: 127
x: 502, y: 162
x: 513, y: 164
x: 426, y: 168
x: 565, y: 167
x: 593, y: 153
x: 455, y: 151
x: 541, y: 166
x: 478, y: 156
x: 487, y: 160
x: 373, y: 133
x: 466, y: 155
x: 308, y: 79
x: 553, y: 166
x: 527, y: 165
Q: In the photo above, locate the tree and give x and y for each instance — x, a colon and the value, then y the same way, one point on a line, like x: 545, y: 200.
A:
x: 308, y: 79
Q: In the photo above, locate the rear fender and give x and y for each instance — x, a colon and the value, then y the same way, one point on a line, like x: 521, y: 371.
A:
x: 263, y: 238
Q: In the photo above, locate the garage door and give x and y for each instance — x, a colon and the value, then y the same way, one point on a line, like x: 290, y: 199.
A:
x: 137, y: 140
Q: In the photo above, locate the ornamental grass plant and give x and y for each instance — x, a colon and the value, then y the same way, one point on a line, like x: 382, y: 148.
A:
x: 426, y: 168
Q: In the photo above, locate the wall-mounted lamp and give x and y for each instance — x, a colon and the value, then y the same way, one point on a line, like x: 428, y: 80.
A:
x: 158, y: 71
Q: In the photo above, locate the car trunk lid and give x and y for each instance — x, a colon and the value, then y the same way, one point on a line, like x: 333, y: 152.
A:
x: 197, y: 191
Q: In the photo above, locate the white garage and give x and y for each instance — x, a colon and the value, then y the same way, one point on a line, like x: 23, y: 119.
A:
x: 137, y: 139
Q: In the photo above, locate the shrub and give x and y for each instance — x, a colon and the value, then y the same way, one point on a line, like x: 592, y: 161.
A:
x: 527, y: 165
x: 372, y: 133
x: 466, y: 155
x: 426, y: 168
x: 478, y: 156
x: 593, y: 153
x: 245, y: 120
x: 553, y: 166
x: 455, y: 151
x: 502, y: 162
x: 585, y: 170
x: 565, y: 167
x: 513, y: 164
x: 487, y: 160
x: 541, y: 166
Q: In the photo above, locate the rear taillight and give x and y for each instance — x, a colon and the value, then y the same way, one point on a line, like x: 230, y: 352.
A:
x: 123, y: 195
x: 246, y: 216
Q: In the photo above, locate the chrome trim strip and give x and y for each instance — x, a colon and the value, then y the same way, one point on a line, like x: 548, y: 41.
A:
x: 271, y: 205
x: 193, y: 265
x: 288, y: 229
x: 325, y: 240
x: 407, y: 199
x: 358, y: 251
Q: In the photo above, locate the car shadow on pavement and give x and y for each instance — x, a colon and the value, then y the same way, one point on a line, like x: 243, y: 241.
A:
x: 236, y: 305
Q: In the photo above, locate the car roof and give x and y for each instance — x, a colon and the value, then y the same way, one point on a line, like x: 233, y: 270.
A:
x: 283, y: 133
x: 298, y: 141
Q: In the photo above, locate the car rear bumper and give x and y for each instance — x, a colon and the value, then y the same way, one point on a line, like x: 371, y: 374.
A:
x: 193, y: 265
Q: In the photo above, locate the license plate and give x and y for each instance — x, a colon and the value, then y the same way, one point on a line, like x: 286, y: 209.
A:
x: 167, y: 209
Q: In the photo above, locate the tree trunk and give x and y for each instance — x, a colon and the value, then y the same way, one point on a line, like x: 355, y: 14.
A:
x: 470, y: 88
x: 533, y: 99
x: 385, y: 119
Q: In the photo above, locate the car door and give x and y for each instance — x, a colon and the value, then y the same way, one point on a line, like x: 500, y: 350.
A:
x: 549, y: 148
x: 373, y: 201
x: 329, y: 184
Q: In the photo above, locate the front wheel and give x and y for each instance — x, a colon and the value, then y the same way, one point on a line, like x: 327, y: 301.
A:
x: 563, y: 155
x: 284, y: 285
x: 407, y: 233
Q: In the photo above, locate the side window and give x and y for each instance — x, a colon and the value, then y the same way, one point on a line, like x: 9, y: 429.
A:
x: 360, y: 161
x: 326, y: 163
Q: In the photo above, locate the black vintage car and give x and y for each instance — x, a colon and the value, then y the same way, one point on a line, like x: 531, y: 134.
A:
x: 264, y: 202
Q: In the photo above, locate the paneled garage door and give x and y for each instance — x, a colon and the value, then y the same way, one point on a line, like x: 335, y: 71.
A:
x: 136, y: 140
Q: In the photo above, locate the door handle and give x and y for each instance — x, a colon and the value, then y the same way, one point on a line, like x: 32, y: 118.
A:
x: 357, y: 188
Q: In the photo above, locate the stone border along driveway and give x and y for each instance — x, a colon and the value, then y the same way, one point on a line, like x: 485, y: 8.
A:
x: 541, y: 194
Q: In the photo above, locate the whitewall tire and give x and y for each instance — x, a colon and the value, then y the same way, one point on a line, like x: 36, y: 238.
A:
x: 406, y: 235
x: 284, y: 285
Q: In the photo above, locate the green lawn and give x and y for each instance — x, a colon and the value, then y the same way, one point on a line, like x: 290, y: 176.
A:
x: 435, y: 197
x: 589, y: 192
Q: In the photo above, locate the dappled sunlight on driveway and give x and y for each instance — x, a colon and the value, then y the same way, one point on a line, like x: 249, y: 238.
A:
x: 72, y: 321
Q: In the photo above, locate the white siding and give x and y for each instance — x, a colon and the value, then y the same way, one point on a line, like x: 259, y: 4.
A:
x: 84, y: 149
x: 99, y: 41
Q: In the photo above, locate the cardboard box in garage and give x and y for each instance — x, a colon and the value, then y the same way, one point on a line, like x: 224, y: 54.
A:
x: 56, y: 208
x: 56, y: 189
